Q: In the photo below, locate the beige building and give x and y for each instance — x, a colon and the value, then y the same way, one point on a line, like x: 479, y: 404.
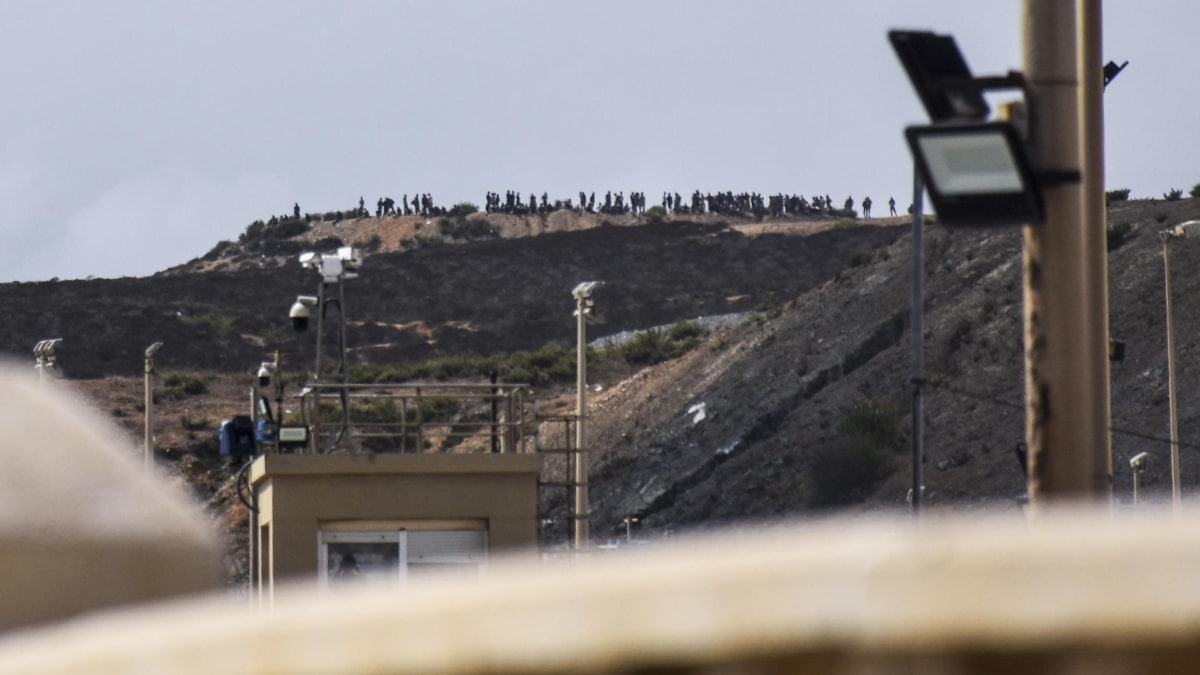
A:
x: 326, y: 517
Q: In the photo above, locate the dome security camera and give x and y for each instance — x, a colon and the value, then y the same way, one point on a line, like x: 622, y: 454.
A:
x: 264, y: 375
x: 300, y: 314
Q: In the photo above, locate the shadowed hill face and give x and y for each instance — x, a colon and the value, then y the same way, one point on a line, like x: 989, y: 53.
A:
x: 476, y: 297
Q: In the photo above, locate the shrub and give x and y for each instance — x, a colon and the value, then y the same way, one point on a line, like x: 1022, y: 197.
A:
x: 370, y: 245
x: 844, y: 222
x: 329, y: 243
x: 843, y: 471
x: 1195, y: 191
x: 1116, y: 196
x: 195, y: 423
x: 862, y: 455
x: 877, y: 421
x: 176, y: 384
x: 655, y: 346
x: 462, y: 228
x: 859, y: 258
x: 655, y: 215
x: 223, y: 247
x: 1117, y: 234
x: 1173, y: 195
x: 462, y: 210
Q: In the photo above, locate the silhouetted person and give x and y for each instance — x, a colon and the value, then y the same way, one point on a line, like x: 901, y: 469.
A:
x: 362, y: 207
x: 866, y: 207
x: 892, y: 205
x: 296, y: 211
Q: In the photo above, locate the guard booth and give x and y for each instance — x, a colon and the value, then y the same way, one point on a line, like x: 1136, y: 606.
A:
x: 447, y: 503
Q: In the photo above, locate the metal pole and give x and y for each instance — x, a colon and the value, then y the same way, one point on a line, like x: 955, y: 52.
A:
x: 1176, y: 496
x: 320, y: 330
x: 1095, y: 220
x: 1064, y: 423
x: 918, y: 336
x: 1136, y: 475
x: 148, y: 449
x: 581, y: 477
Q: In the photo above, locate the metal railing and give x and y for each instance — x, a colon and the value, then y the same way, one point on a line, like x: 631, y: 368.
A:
x: 421, y: 417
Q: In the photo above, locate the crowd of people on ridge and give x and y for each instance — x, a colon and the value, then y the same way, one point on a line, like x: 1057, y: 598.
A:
x: 751, y: 204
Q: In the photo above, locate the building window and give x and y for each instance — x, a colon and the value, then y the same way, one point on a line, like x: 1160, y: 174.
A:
x: 398, y: 555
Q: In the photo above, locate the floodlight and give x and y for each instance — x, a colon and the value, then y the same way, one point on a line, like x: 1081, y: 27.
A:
x: 45, y: 348
x: 584, y: 290
x: 1111, y: 70
x: 976, y: 173
x: 309, y: 259
x: 1138, y: 461
x: 152, y: 349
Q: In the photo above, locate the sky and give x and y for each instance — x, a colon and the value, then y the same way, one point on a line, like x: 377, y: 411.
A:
x: 138, y: 134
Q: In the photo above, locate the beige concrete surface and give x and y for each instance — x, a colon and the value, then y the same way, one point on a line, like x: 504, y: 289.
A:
x: 1076, y: 593
x: 82, y: 526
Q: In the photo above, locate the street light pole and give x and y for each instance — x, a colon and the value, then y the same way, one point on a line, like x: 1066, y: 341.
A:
x: 581, y: 474
x: 148, y: 447
x: 1176, y: 497
x: 583, y: 308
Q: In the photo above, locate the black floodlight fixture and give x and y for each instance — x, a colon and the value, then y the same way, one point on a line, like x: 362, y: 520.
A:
x: 976, y: 173
x: 940, y: 75
x: 1111, y: 70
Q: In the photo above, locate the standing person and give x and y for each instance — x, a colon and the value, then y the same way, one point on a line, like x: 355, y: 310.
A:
x: 892, y: 205
x: 866, y: 207
x: 296, y: 211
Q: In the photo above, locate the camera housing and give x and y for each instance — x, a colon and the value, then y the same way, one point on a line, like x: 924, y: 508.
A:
x: 300, y: 313
x: 264, y: 374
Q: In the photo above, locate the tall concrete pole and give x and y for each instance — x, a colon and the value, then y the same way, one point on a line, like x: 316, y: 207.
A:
x: 1176, y: 499
x: 1095, y: 220
x: 1065, y: 424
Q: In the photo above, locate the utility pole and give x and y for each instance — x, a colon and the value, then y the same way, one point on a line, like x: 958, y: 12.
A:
x: 148, y: 447
x: 1095, y: 222
x: 918, y: 339
x: 582, y: 516
x: 1066, y: 338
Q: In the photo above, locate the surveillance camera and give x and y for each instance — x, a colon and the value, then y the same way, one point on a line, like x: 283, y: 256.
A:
x: 300, y: 314
x: 264, y: 375
x: 1138, y: 461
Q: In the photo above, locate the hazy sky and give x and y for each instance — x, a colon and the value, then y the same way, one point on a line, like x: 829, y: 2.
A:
x: 138, y: 134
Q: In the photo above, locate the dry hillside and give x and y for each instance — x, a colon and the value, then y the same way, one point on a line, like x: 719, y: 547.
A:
x: 801, y: 409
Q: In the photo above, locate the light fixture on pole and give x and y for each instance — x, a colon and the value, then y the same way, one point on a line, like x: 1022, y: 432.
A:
x: 44, y: 358
x: 584, y: 311
x: 976, y: 172
x: 148, y: 447
x: 1138, y: 464
x: 1111, y: 70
